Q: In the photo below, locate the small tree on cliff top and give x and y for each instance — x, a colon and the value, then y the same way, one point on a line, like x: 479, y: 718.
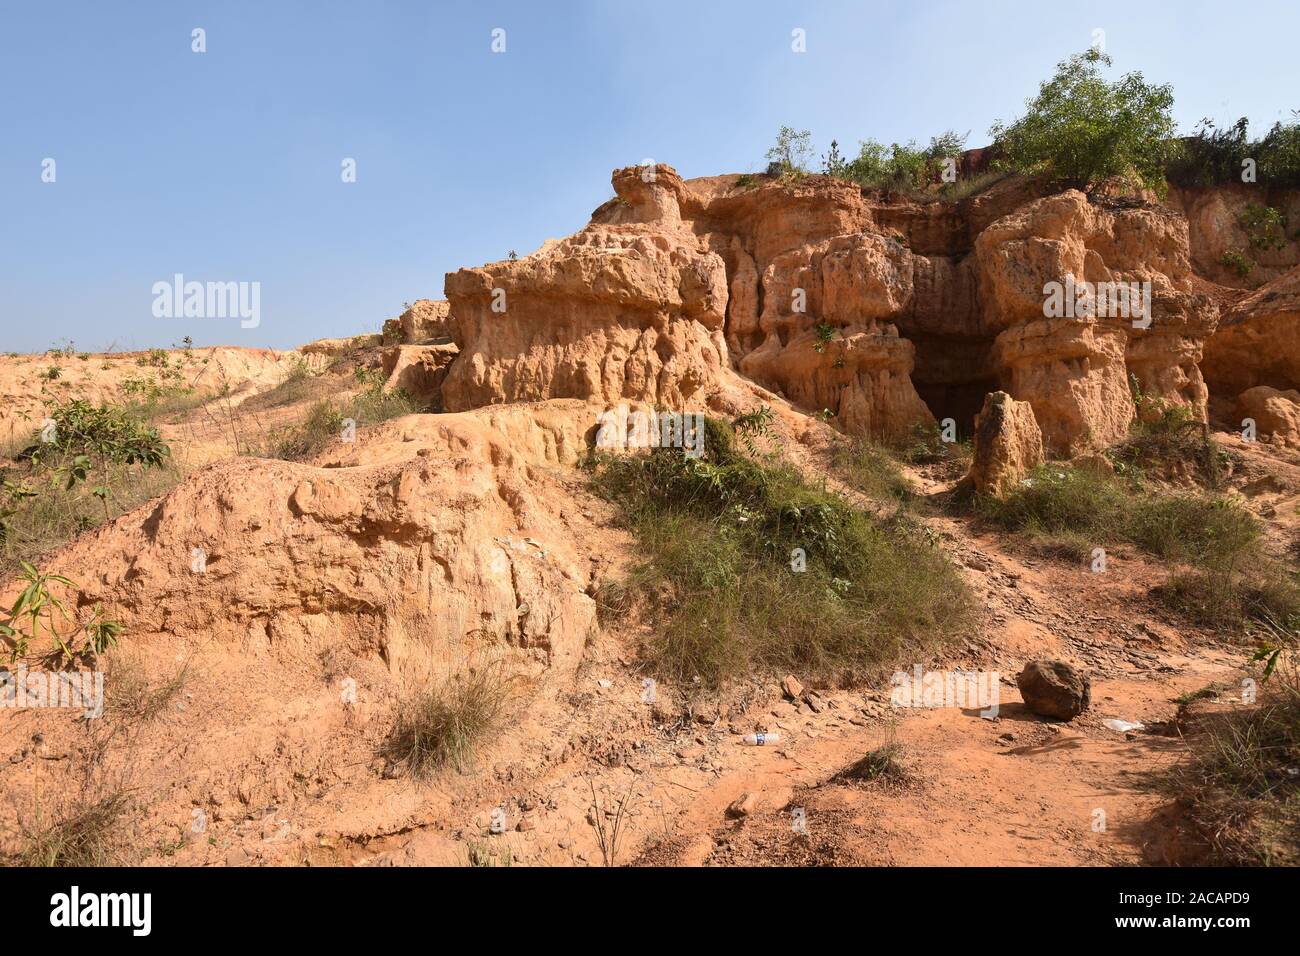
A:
x: 1082, y: 129
x: 792, y: 150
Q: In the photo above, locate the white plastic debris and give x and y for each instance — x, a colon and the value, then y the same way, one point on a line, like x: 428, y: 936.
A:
x: 761, y: 740
x: 1121, y: 726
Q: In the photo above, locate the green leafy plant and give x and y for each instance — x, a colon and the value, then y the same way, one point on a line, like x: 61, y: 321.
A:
x: 833, y: 162
x: 825, y: 332
x: 792, y: 151
x: 38, y: 612
x: 902, y: 167
x: 1211, y: 155
x: 34, y: 602
x: 12, y: 495
x: 1082, y: 129
x: 1265, y: 227
x: 1238, y: 262
x: 154, y: 358
x: 753, y: 425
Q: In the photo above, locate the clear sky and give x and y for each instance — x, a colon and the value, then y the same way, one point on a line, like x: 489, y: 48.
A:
x: 226, y: 165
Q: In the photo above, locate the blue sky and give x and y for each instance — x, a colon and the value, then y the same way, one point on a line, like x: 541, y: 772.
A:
x: 226, y: 165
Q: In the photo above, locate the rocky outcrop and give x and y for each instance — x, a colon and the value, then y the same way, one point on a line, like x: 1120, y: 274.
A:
x: 1258, y: 341
x: 882, y: 313
x: 427, y: 320
x: 418, y: 370
x: 1164, y: 359
x: 1008, y: 444
x: 1072, y: 373
x: 1072, y: 359
x: 617, y: 312
x: 443, y: 535
x: 821, y: 340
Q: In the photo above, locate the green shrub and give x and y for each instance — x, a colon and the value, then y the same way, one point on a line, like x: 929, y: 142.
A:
x: 324, y: 421
x: 1211, y: 156
x: 108, y: 434
x: 1238, y: 262
x: 1279, y: 154
x: 792, y: 150
x: 1223, y: 577
x: 96, y: 463
x: 719, y: 534
x: 1265, y: 227
x: 1214, y: 156
x: 1058, y: 499
x: 39, y: 612
x: 1082, y: 129
x: 902, y: 167
x: 1170, y: 441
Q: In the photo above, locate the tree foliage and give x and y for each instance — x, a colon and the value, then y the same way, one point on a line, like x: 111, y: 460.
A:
x: 1083, y: 129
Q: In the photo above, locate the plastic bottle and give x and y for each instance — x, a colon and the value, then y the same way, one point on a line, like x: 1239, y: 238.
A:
x: 760, y: 740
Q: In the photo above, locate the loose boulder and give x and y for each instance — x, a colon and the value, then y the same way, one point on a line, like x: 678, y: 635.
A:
x: 1276, y: 413
x: 1007, y: 444
x: 419, y: 370
x: 1052, y: 688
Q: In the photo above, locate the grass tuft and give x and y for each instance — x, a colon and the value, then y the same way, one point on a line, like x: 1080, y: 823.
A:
x: 723, y: 535
x: 1239, y: 785
x: 442, y: 726
x: 86, y: 835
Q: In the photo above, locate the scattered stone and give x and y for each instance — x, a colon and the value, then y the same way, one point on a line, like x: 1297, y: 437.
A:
x: 1053, y: 688
x: 791, y: 687
x: 742, y: 806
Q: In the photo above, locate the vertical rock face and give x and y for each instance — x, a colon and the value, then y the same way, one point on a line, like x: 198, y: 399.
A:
x: 1074, y: 368
x: 1072, y: 373
x: 629, y: 311
x: 1164, y: 360
x: 1214, y: 217
x: 1008, y: 444
x: 821, y: 340
x: 884, y: 314
x: 1258, y: 341
x: 418, y: 369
